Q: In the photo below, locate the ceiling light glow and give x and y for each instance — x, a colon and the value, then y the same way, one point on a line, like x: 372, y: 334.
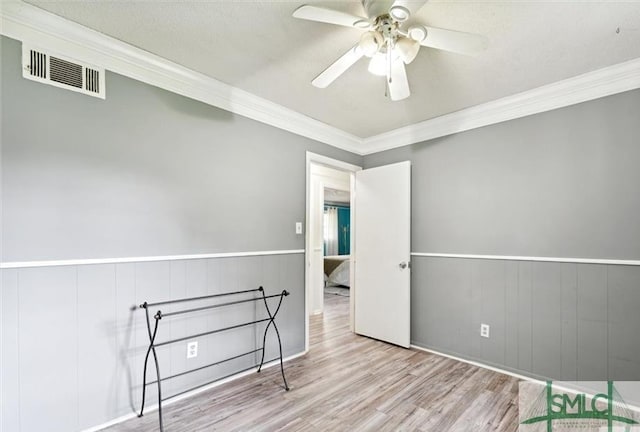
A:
x: 379, y: 64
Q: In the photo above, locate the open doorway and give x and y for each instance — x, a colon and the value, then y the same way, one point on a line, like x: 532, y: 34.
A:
x: 337, y: 240
x: 329, y: 274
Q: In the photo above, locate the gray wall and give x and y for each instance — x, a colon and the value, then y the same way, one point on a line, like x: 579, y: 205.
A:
x: 558, y: 184
x: 561, y: 184
x: 142, y: 173
x: 562, y: 321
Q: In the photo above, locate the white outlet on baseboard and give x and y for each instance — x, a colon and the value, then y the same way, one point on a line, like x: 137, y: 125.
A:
x: 192, y: 349
x: 484, y: 330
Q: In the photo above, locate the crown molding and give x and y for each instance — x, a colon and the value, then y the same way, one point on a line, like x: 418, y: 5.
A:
x: 582, y: 88
x: 40, y: 28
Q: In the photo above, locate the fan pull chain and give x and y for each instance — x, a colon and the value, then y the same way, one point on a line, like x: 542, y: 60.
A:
x: 389, y: 49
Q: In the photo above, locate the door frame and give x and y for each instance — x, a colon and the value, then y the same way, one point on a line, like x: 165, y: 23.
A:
x: 342, y: 166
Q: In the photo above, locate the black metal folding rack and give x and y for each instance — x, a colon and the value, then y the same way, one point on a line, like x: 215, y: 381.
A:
x: 159, y: 315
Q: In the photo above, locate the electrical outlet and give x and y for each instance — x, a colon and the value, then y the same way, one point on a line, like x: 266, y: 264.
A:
x: 484, y: 330
x: 298, y: 227
x: 192, y: 349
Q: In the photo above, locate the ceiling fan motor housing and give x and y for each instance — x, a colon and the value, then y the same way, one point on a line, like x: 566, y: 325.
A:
x: 387, y: 26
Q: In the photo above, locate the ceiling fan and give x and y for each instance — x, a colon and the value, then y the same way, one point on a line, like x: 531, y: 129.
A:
x: 386, y: 42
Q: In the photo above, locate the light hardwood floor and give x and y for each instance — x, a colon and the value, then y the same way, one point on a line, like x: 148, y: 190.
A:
x: 350, y: 383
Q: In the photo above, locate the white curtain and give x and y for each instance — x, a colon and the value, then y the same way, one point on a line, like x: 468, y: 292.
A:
x: 331, y: 231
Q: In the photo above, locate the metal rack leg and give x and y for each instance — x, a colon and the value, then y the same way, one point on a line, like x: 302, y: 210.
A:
x: 151, y: 349
x: 144, y: 381
x: 155, y: 358
x: 264, y: 339
x: 266, y: 329
x: 146, y: 358
x: 286, y: 386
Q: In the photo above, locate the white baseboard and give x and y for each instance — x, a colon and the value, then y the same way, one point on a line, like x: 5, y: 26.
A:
x: 190, y: 394
x: 515, y: 375
x: 481, y: 365
x: 110, y: 423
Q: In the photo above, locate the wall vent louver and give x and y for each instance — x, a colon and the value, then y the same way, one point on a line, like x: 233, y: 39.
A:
x: 59, y: 71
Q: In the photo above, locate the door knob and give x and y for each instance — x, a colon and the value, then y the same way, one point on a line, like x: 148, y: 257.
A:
x: 403, y: 265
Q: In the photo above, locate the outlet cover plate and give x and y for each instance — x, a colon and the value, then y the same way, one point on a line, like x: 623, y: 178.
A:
x: 484, y: 330
x: 192, y: 349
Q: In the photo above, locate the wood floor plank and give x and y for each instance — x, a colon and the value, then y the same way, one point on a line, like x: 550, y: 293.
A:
x: 350, y: 383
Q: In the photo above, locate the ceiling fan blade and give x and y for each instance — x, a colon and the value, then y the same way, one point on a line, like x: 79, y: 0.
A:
x: 454, y: 41
x: 339, y: 67
x: 330, y: 16
x: 398, y: 82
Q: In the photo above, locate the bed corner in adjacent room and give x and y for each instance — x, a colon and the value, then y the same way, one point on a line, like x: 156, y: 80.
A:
x: 337, y: 270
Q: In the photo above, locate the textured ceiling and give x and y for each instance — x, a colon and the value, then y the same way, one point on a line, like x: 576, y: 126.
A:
x: 258, y: 47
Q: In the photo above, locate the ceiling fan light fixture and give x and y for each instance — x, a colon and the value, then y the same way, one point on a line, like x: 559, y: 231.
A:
x: 389, y: 40
x: 407, y: 49
x: 370, y: 43
x: 399, y: 13
x: 417, y: 33
x: 379, y: 64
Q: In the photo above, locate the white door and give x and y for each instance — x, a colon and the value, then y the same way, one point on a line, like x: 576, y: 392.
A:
x: 382, y: 253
